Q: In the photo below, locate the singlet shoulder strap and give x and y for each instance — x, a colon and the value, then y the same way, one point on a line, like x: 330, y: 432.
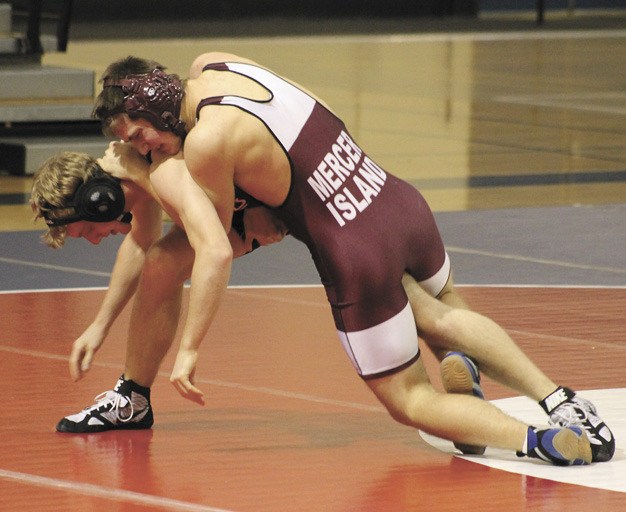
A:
x: 285, y: 111
x: 215, y: 66
x: 234, y: 68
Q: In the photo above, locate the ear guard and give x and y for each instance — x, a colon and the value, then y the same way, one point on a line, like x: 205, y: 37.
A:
x: 99, y: 199
x: 154, y: 96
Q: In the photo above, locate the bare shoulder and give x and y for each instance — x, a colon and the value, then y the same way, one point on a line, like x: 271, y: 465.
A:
x: 146, y: 226
x: 206, y: 144
x: 168, y: 179
x: 211, y: 57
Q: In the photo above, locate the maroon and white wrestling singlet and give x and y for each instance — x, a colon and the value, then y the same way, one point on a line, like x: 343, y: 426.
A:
x: 363, y: 226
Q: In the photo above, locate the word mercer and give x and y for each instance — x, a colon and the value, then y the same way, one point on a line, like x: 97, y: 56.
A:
x: 345, y: 167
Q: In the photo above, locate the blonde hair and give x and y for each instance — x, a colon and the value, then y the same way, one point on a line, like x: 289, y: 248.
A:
x: 54, y: 186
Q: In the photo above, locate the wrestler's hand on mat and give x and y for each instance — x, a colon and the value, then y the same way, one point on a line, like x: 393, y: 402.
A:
x: 183, y: 375
x: 84, y: 349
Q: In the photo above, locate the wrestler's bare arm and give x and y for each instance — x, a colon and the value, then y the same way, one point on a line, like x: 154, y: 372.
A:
x: 146, y: 229
x: 190, y: 207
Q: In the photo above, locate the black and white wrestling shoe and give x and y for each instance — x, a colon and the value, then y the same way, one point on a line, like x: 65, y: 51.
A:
x: 127, y: 406
x: 567, y: 409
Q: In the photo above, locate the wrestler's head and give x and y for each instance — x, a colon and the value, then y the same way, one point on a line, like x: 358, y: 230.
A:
x: 140, y: 104
x: 77, y: 198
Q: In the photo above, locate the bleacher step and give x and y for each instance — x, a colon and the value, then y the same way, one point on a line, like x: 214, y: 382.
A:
x: 23, y: 155
x: 29, y: 81
x: 5, y: 18
x: 45, y: 111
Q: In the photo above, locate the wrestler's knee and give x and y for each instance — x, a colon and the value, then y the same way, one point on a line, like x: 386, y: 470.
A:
x: 451, y: 327
x: 411, y: 408
x: 164, y: 267
x: 400, y: 414
x: 405, y: 395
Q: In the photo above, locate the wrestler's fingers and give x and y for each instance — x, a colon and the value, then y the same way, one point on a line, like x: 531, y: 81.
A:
x: 187, y: 390
x: 77, y: 363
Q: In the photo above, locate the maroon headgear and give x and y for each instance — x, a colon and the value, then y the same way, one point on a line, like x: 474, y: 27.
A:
x: 155, y: 96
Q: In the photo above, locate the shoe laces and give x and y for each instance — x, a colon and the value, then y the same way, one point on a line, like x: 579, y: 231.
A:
x: 575, y: 412
x: 117, y: 402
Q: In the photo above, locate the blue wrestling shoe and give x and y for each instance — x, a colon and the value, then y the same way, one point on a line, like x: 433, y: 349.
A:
x: 460, y: 375
x: 567, y: 446
x: 566, y: 409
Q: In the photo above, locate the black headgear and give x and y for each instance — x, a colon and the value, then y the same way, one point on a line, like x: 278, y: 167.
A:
x: 99, y: 199
x: 155, y: 96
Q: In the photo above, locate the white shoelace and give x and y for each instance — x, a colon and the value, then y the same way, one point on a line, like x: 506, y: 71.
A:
x: 115, y: 399
x: 577, y: 413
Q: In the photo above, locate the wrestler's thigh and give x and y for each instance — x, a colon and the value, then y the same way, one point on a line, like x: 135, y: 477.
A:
x: 383, y: 348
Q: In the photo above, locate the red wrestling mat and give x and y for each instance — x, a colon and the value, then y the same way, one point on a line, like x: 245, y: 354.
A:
x: 288, y: 426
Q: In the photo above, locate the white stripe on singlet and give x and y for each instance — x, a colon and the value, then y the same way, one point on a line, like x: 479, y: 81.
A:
x: 285, y: 114
x: 385, y: 346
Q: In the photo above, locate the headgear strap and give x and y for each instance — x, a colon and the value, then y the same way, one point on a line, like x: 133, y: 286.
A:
x: 99, y: 199
x: 155, y: 96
